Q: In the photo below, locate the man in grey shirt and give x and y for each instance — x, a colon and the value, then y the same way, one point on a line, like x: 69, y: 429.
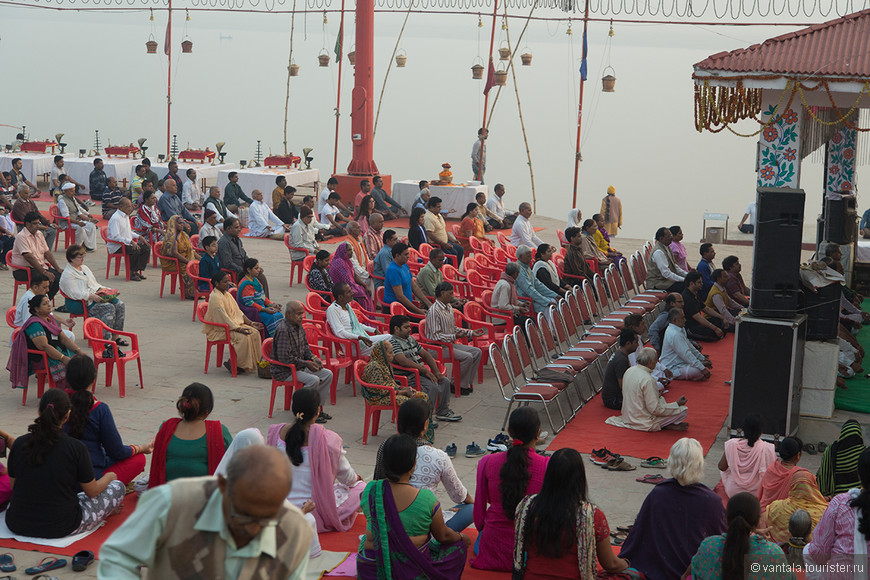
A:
x: 611, y: 391
x: 383, y: 202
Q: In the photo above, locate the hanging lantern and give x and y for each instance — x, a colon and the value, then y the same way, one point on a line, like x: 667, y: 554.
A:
x: 187, y: 46
x: 504, y: 52
x: 401, y: 58
x: 477, y: 69
x: 323, y: 58
x: 526, y: 57
x: 500, y: 76
x: 294, y: 69
x: 608, y: 82
x: 351, y: 57
x: 151, y: 45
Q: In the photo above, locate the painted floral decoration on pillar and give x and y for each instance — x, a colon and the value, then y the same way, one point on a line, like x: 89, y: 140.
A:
x: 779, y: 150
x: 841, y: 161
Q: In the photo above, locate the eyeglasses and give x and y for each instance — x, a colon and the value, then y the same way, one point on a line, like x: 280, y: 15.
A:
x: 79, y: 256
x: 242, y: 520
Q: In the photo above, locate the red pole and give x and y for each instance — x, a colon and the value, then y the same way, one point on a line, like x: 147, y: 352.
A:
x: 338, y: 91
x: 580, y: 109
x: 169, y: 80
x: 362, y: 105
x: 491, y: 46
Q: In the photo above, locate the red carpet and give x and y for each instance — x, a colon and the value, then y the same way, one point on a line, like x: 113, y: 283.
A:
x: 708, y: 408
x: 92, y: 542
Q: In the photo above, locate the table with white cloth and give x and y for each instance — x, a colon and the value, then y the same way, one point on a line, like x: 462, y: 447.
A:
x: 263, y: 178
x: 863, y: 251
x: 33, y: 165
x: 79, y: 168
x: 204, y: 171
x: 454, y: 198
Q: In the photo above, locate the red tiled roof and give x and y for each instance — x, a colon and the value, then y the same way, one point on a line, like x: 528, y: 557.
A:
x: 839, y: 47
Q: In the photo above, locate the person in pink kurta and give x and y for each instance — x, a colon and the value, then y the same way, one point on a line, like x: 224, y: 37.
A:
x: 745, y: 460
x: 498, y: 496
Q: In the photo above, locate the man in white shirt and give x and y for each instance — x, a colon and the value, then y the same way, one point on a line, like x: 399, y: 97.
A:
x: 663, y: 272
x: 331, y: 217
x: 120, y: 235
x: 210, y: 225
x: 80, y: 220
x: 495, y: 204
x: 303, y: 233
x: 522, y: 233
x: 344, y: 324
x: 748, y: 228
x: 59, y: 170
x: 191, y: 195
x: 678, y: 354
x: 262, y: 221
x: 323, y: 198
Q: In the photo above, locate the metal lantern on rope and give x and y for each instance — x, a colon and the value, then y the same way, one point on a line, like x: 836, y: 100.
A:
x: 401, y: 58
x: 504, y: 53
x: 477, y: 69
x: 608, y: 82
x: 526, y: 57
x: 294, y: 69
x: 500, y: 76
x: 151, y: 45
x: 186, y: 45
x: 323, y: 58
x: 351, y: 57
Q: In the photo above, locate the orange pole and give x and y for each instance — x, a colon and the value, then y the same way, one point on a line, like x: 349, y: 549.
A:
x: 169, y: 80
x: 491, y: 46
x: 580, y: 107
x: 338, y: 92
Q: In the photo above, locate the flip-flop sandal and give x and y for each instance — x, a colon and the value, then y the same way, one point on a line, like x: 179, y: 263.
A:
x: 617, y: 538
x: 650, y: 478
x: 82, y: 560
x: 821, y: 446
x: 40, y: 577
x: 625, y: 529
x: 810, y: 448
x: 654, y: 462
x: 49, y: 563
x: 621, y: 465
x: 7, y: 563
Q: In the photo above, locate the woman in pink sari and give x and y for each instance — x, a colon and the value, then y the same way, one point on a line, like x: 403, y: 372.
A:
x: 341, y: 270
x: 745, y: 461
x: 324, y: 483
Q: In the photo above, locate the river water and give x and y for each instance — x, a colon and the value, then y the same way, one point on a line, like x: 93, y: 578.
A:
x: 74, y: 72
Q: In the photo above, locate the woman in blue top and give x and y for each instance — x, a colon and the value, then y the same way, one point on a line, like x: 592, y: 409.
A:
x: 251, y: 297
x: 416, y: 231
x: 209, y: 264
x: 92, y: 423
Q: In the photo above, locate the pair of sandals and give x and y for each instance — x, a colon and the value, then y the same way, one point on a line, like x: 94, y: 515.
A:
x: 814, y: 449
x: 80, y: 562
x: 620, y: 535
x: 137, y: 277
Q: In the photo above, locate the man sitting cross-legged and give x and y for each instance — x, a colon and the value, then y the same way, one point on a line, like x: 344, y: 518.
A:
x: 679, y: 355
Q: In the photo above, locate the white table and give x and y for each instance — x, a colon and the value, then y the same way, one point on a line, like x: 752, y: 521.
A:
x: 79, y: 168
x: 454, y: 198
x: 263, y: 178
x: 33, y: 165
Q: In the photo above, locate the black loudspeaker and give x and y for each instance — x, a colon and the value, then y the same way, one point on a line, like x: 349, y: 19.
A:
x: 776, y: 256
x: 823, y: 311
x: 841, y: 220
x: 768, y: 373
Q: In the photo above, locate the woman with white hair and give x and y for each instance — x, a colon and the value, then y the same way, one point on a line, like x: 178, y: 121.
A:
x: 675, y: 517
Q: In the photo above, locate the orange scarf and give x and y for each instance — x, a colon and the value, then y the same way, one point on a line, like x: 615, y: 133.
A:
x: 359, y: 252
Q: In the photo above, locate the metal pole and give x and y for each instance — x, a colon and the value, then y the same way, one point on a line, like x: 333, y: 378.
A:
x: 338, y: 92
x: 169, y: 80
x: 580, y: 109
x: 491, y: 46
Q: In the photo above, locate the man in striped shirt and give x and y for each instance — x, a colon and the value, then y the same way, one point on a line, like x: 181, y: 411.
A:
x: 441, y: 327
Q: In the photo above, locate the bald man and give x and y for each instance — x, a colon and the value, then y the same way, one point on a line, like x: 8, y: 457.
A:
x: 120, y: 236
x: 215, y: 527
x: 290, y: 346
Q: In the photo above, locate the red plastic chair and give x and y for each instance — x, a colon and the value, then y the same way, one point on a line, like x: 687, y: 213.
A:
x: 477, y: 283
x: 40, y: 368
x: 503, y: 240
x: 316, y: 334
x: 373, y: 412
x: 200, y: 313
x: 307, y: 263
x: 194, y: 241
x: 68, y: 233
x: 289, y: 386
x: 480, y: 317
x: 25, y: 283
x: 561, y: 235
x: 94, y: 330
x: 193, y: 272
x: 174, y: 278
x: 316, y: 306
x: 104, y: 233
x: 295, y: 265
x: 439, y: 348
x: 10, y: 317
x: 83, y: 316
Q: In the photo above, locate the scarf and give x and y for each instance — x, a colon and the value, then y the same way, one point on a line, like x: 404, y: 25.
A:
x: 324, y: 453
x: 378, y: 372
x: 515, y: 299
x: 358, y: 251
x: 574, y: 219
x: 19, y: 363
x: 839, y: 469
x: 214, y: 437
x: 551, y: 268
x: 803, y: 494
x: 746, y: 465
x: 775, y: 484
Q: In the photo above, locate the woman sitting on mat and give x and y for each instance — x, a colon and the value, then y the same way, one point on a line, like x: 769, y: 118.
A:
x: 401, y: 519
x: 503, y: 479
x: 176, y: 245
x: 253, y: 300
x: 433, y: 464
x: 559, y: 534
x: 41, y: 332
x: 675, y: 517
x: 244, y: 333
x: 325, y: 486
x: 46, y: 468
x: 839, y: 539
x: 190, y: 446
x: 91, y: 422
x: 725, y: 555
x: 745, y: 460
x: 839, y: 469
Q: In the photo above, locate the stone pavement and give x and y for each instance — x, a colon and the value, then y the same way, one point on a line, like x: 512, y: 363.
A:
x: 173, y: 353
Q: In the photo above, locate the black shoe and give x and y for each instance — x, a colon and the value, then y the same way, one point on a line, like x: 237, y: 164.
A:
x: 62, y: 309
x: 465, y: 391
x: 326, y: 416
x: 320, y: 419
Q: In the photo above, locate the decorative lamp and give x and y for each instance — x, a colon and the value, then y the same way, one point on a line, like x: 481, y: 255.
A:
x: 308, y: 159
x: 142, y: 147
x: 57, y: 139
x: 82, y: 153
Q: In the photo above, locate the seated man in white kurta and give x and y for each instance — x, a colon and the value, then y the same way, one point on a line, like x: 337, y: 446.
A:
x: 262, y: 221
x: 679, y: 355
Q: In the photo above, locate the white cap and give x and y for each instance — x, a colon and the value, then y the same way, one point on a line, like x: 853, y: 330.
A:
x: 67, y: 185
